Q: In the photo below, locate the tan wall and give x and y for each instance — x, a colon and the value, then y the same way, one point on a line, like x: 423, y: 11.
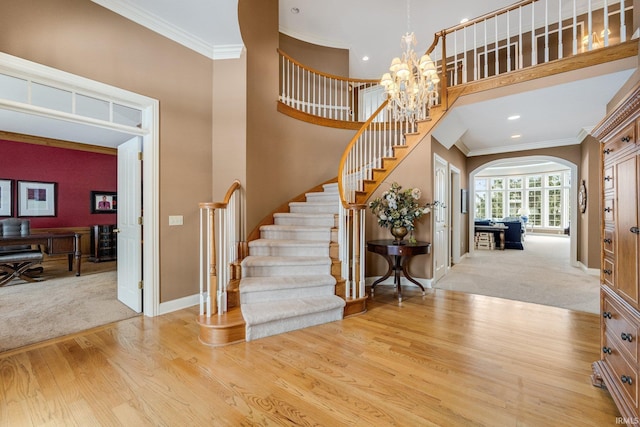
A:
x: 285, y: 157
x: 229, y: 124
x: 83, y: 38
x: 325, y: 59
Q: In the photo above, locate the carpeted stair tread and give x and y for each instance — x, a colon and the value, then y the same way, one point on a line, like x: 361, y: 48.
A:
x: 293, y: 227
x: 285, y: 260
x: 252, y: 284
x: 257, y: 313
x: 286, y: 242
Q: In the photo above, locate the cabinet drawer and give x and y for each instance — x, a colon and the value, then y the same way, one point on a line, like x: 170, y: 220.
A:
x: 608, y: 178
x: 625, y: 138
x: 608, y: 272
x: 608, y: 242
x: 608, y: 210
x: 621, y: 329
x: 625, y: 376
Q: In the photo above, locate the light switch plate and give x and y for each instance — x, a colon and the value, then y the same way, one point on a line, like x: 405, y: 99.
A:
x: 176, y: 220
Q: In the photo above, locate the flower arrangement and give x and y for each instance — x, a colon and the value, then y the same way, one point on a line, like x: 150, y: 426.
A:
x: 399, y: 208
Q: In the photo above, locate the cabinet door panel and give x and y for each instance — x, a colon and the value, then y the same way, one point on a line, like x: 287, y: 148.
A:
x: 626, y: 218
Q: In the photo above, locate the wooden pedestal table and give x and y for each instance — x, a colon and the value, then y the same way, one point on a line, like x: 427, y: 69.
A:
x: 398, y: 257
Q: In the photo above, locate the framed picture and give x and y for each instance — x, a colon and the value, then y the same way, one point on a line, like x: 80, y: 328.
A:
x: 104, y: 202
x: 36, y: 198
x: 6, y: 197
x: 463, y: 201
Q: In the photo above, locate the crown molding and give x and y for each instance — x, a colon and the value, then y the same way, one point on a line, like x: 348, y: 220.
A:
x: 523, y: 147
x: 228, y: 51
x: 170, y: 31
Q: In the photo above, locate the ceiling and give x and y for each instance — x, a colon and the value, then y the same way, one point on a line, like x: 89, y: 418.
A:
x: 555, y: 111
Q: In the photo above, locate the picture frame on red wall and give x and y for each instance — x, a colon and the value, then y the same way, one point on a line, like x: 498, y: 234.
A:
x: 6, y: 197
x: 104, y: 202
x: 36, y: 198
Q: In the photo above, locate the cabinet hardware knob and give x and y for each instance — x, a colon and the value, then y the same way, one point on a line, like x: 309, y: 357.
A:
x: 607, y: 151
x: 607, y: 178
x: 635, y: 230
x: 606, y: 350
x: 606, y: 315
x: 626, y: 337
x: 607, y: 209
x: 607, y: 272
x: 626, y: 379
x: 625, y: 138
x: 607, y: 241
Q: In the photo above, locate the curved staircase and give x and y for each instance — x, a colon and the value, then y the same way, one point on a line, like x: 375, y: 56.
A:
x: 290, y: 278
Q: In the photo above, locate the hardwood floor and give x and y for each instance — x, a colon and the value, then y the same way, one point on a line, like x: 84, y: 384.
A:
x: 445, y: 359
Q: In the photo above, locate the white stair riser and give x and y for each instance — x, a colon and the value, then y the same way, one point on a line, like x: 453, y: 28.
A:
x: 322, y: 198
x: 300, y: 219
x: 293, y: 234
x: 282, y: 294
x: 314, y: 208
x: 290, y: 250
x: 262, y: 330
x: 284, y: 270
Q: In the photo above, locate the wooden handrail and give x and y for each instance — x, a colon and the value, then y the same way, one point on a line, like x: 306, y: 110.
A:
x: 323, y: 74
x: 218, y: 253
x: 493, y: 14
x: 348, y: 149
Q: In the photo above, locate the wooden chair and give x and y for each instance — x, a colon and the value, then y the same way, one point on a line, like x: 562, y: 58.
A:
x: 18, y: 261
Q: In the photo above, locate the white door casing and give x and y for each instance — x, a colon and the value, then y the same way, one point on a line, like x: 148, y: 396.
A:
x: 148, y: 131
x: 440, y: 218
x: 129, y: 224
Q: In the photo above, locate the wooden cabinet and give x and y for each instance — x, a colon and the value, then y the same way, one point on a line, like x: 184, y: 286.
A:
x: 618, y: 368
x: 103, y: 243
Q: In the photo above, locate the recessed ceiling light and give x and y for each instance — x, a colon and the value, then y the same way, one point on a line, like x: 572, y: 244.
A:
x: 463, y: 20
x: 516, y: 136
x: 295, y: 10
x: 365, y: 58
x: 514, y: 117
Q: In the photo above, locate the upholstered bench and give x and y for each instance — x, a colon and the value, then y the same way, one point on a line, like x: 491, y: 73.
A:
x: 18, y: 261
x: 19, y: 264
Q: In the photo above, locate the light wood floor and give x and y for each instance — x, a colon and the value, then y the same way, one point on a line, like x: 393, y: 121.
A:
x: 445, y: 359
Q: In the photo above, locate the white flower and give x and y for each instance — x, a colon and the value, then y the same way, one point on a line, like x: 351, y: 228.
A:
x: 416, y: 193
x: 426, y: 210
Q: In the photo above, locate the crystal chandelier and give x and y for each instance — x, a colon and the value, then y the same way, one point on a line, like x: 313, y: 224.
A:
x: 410, y: 85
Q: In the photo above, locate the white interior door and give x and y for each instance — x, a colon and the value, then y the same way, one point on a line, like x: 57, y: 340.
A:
x: 440, y: 218
x: 130, y: 229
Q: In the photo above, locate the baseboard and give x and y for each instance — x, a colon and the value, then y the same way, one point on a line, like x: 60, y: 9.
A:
x: 178, y: 304
x: 403, y: 281
x: 589, y: 271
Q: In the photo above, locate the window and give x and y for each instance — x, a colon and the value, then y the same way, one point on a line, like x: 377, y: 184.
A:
x: 545, y: 196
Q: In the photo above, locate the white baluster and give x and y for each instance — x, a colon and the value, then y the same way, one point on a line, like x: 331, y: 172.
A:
x: 623, y: 26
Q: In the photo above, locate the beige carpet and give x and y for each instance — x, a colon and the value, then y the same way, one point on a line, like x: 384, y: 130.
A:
x: 60, y: 305
x: 540, y: 274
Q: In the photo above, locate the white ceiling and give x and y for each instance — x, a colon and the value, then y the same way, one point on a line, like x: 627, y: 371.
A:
x: 554, y: 111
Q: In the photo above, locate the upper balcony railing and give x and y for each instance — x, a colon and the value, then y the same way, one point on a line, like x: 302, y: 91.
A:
x: 526, y: 34
x: 324, y: 95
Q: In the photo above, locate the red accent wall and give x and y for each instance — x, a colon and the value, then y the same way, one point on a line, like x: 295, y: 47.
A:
x: 76, y: 173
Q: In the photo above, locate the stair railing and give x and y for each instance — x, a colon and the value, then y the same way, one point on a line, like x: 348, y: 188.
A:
x: 525, y: 34
x: 326, y: 95
x: 503, y: 41
x: 222, y: 237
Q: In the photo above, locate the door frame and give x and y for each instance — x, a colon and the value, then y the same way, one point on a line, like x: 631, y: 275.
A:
x: 455, y: 213
x: 573, y: 191
x: 149, y: 132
